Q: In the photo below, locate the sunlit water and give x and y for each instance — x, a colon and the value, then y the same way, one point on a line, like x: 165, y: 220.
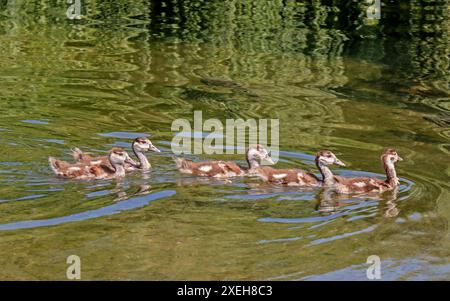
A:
x: 99, y: 82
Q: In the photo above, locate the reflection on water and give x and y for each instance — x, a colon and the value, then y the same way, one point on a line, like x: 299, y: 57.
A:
x: 127, y: 69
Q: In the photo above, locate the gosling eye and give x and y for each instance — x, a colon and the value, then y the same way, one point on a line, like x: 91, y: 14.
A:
x: 392, y: 158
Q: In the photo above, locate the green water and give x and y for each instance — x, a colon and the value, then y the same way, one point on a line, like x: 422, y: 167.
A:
x: 333, y: 78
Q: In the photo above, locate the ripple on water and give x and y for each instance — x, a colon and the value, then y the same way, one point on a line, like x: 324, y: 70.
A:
x: 31, y: 197
x: 129, y: 204
x: 57, y: 141
x: 280, y: 240
x: 32, y: 121
x: 12, y: 163
x: 251, y: 190
x: 413, y: 269
x: 331, y: 208
x: 98, y: 193
x: 124, y: 135
x: 344, y: 235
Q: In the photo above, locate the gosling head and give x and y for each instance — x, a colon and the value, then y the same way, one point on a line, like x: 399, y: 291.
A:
x: 259, y: 153
x: 390, y: 156
x: 143, y: 144
x: 118, y: 156
x: 326, y: 157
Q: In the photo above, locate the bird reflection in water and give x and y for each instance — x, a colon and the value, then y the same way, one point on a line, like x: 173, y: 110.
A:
x: 120, y: 189
x: 329, y: 201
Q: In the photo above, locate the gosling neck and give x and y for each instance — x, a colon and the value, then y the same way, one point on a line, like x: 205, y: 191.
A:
x: 144, y: 164
x: 327, y: 175
x: 252, y: 162
x: 119, y: 170
x: 391, y: 173
x: 251, y: 156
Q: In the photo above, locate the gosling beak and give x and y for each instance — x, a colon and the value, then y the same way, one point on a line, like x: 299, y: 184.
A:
x: 339, y: 162
x: 154, y: 149
x: 269, y: 160
x: 131, y: 161
x: 399, y: 158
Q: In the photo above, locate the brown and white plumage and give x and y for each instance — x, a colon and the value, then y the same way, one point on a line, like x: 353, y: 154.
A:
x: 139, y: 146
x: 117, y: 158
x: 225, y: 169
x: 290, y: 177
x: 360, y: 184
x: 297, y: 177
x: 209, y: 168
x: 367, y: 184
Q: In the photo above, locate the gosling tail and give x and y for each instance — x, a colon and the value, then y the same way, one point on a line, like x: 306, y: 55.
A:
x: 54, y: 165
x: 181, y: 162
x: 77, y: 153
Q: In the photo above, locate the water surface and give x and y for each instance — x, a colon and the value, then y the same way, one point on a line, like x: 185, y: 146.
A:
x: 334, y: 79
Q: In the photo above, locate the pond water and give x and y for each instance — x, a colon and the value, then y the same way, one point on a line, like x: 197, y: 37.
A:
x: 334, y: 79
